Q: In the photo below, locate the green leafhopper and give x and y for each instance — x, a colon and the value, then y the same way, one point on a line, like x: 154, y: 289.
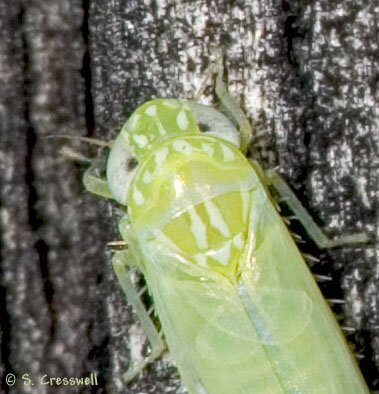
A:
x: 240, y: 311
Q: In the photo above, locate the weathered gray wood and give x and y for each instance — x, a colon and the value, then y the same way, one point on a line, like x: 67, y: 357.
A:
x: 305, y: 71
x: 50, y: 265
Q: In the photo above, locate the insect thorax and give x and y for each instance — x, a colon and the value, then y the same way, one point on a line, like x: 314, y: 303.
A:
x: 192, y: 196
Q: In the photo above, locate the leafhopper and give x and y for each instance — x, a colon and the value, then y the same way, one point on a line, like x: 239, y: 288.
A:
x: 239, y: 308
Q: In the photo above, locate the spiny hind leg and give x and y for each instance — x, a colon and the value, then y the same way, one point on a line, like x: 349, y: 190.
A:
x: 312, y: 229
x: 134, y: 299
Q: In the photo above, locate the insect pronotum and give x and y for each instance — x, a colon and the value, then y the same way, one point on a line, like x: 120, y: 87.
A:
x: 240, y: 311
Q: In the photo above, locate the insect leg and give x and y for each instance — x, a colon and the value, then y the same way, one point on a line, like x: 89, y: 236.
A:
x: 94, y: 183
x: 133, y: 297
x: 313, y: 230
x: 232, y: 107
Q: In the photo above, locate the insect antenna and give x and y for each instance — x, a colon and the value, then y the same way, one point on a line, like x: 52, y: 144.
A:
x: 88, y: 140
x: 73, y: 155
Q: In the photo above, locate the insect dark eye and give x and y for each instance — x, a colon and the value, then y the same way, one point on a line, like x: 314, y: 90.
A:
x: 131, y: 163
x: 204, y: 127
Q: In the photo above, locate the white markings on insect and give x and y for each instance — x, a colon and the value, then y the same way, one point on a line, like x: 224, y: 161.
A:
x: 147, y: 177
x: 182, y: 147
x: 151, y: 110
x: 215, y: 218
x: 201, y: 259
x: 208, y: 148
x: 132, y: 123
x: 228, y: 154
x: 126, y: 138
x: 161, y: 156
x: 198, y: 229
x: 140, y: 139
x: 138, y: 197
x: 162, y: 130
x: 178, y: 185
x: 238, y: 241
x: 182, y: 120
x: 222, y: 255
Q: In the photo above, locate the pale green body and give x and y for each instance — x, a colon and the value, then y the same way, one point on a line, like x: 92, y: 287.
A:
x: 240, y: 311
x: 268, y: 332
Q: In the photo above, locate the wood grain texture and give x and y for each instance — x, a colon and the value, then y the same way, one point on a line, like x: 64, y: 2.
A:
x: 305, y: 73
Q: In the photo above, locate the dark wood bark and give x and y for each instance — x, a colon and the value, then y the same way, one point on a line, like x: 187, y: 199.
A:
x: 304, y: 71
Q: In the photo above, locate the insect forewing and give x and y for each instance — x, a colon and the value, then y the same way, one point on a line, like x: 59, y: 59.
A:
x: 254, y: 322
x: 209, y: 334
x: 316, y: 358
